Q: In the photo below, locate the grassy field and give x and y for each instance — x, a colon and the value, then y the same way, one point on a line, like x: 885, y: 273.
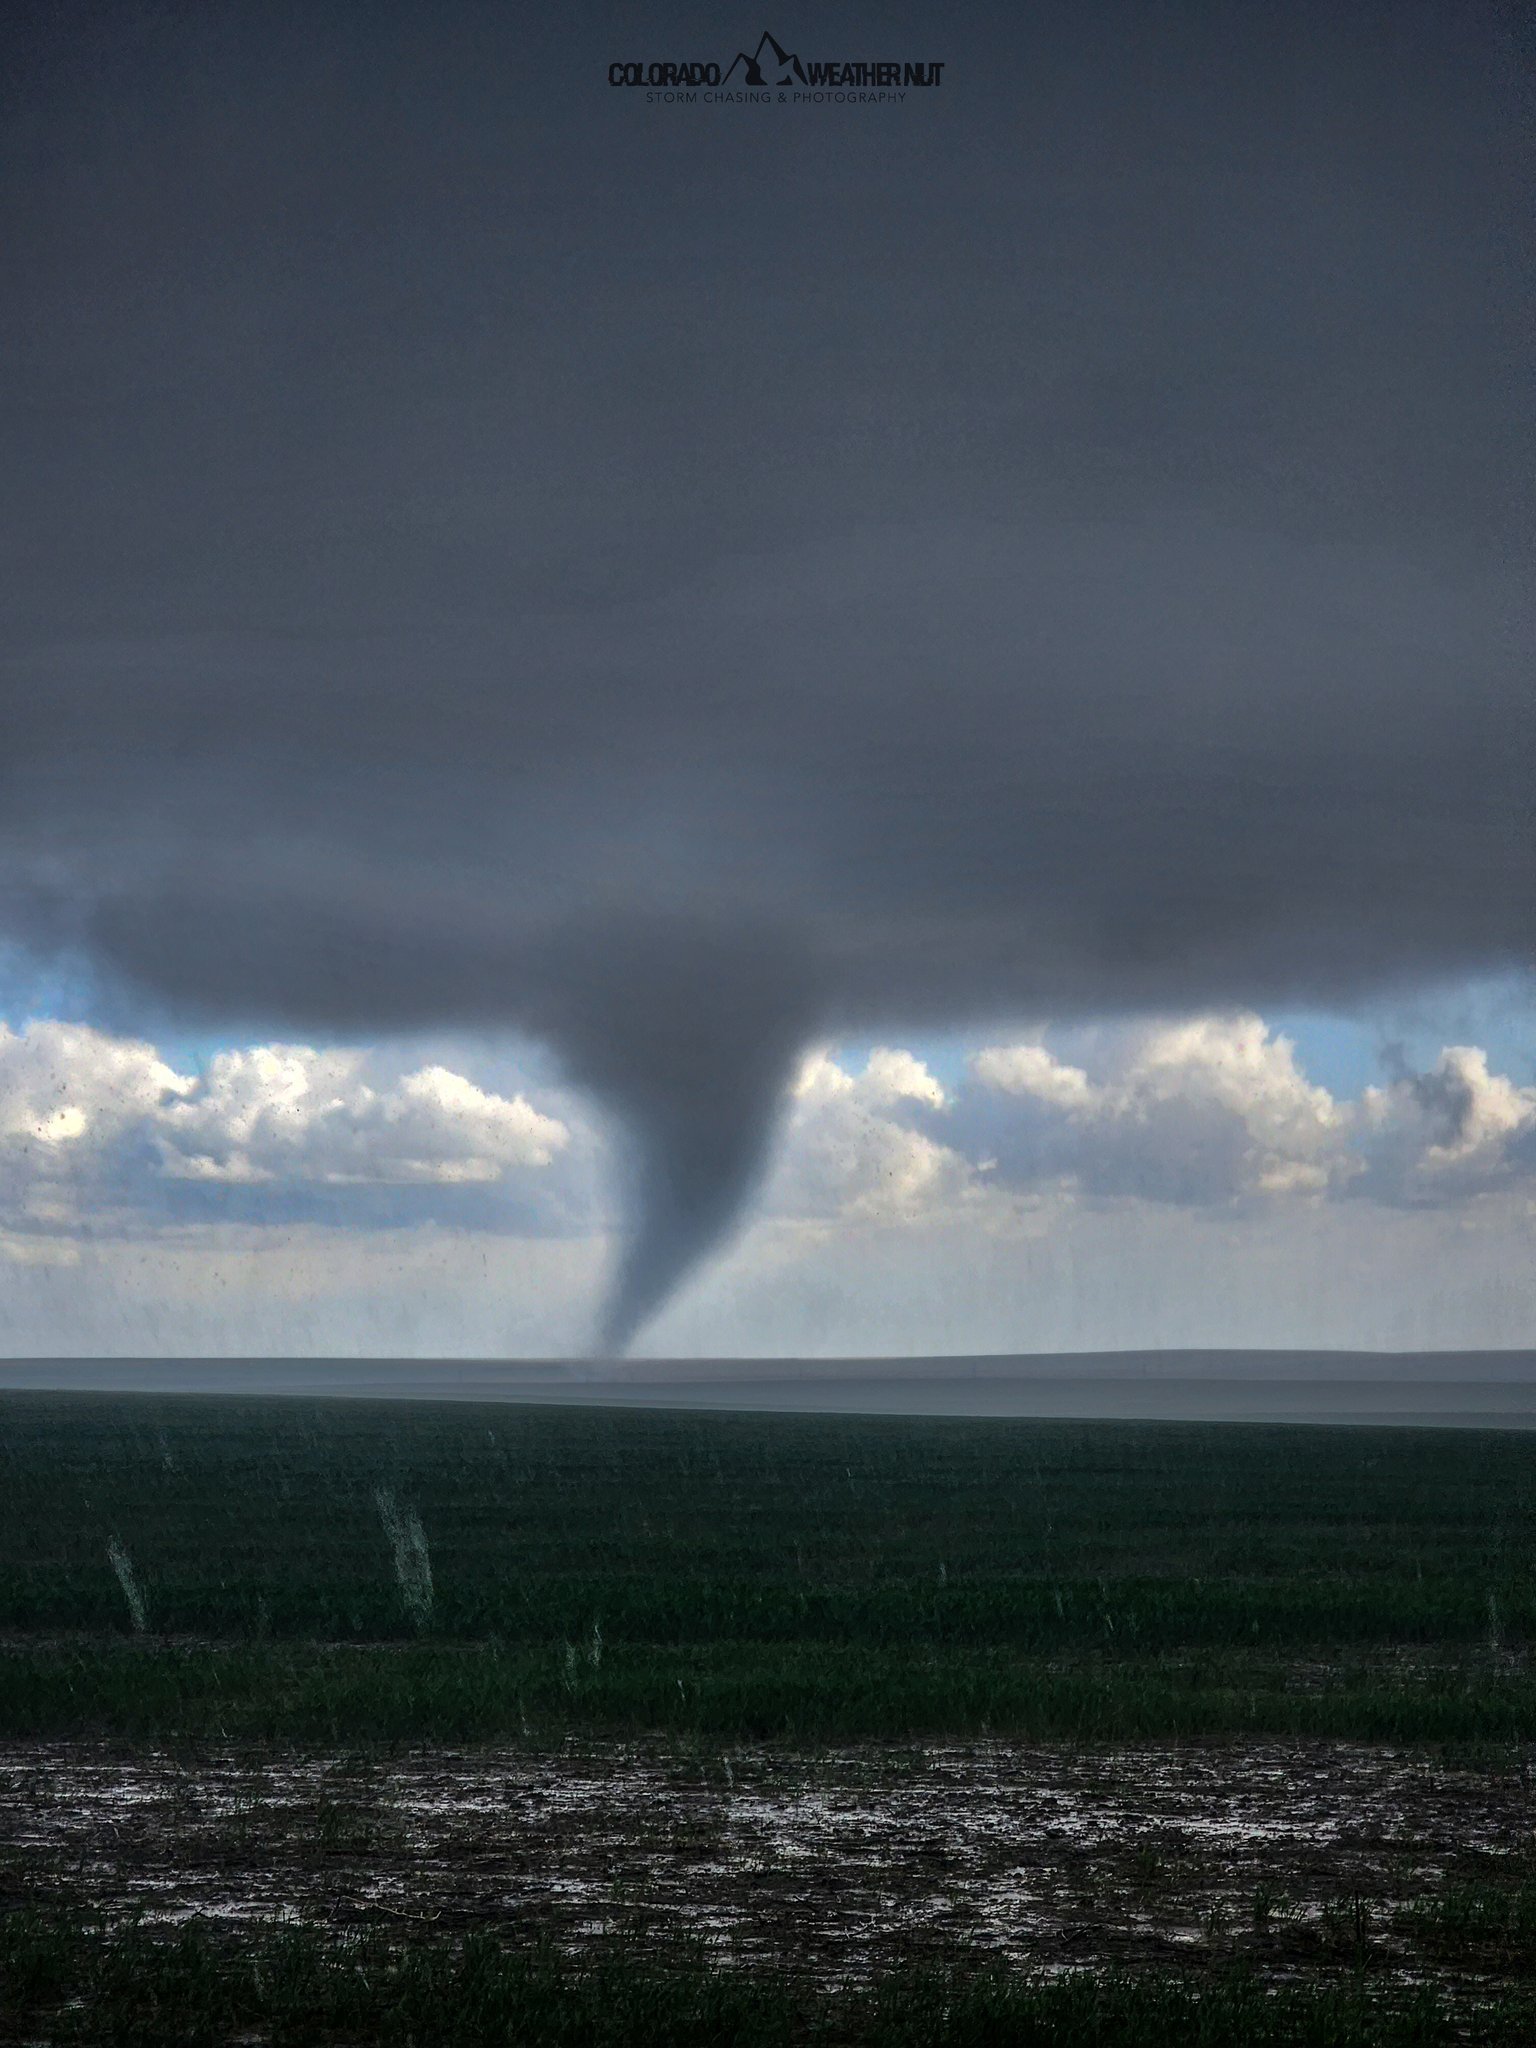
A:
x: 281, y: 1617
x: 388, y: 1571
x: 86, y: 1987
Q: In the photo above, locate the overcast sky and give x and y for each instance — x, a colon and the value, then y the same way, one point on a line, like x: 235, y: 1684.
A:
x: 791, y: 698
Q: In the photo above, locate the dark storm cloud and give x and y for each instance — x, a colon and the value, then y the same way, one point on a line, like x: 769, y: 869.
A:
x: 483, y: 550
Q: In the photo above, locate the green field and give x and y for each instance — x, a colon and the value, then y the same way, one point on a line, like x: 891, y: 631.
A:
x: 293, y: 1989
x: 280, y: 1628
x: 359, y: 1571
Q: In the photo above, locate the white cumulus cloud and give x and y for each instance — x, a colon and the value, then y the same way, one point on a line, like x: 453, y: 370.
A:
x: 1213, y: 1111
x: 84, y: 1115
x: 1204, y: 1110
x: 1457, y: 1131
x: 64, y: 1086
x: 289, y: 1112
x: 846, y: 1150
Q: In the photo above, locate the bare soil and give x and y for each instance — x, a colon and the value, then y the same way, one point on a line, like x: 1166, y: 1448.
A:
x: 1289, y: 1855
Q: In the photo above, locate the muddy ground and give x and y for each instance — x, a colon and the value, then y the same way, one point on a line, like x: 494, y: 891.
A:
x: 1290, y: 1855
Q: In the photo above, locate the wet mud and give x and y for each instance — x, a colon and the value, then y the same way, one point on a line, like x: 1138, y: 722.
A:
x: 840, y: 1863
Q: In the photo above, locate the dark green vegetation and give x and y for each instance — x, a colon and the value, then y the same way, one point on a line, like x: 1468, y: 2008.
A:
x: 753, y: 1576
x: 342, y: 1574
x: 736, y: 1691
x: 297, y: 1988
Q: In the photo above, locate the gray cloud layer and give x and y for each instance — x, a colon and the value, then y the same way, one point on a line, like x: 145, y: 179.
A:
x: 680, y: 579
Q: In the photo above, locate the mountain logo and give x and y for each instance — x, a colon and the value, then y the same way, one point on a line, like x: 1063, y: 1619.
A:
x: 784, y: 61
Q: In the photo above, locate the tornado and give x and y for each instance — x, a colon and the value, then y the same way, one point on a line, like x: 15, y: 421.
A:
x: 686, y: 1033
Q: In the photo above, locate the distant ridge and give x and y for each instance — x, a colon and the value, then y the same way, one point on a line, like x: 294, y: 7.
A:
x: 1191, y: 1363
x: 1488, y: 1389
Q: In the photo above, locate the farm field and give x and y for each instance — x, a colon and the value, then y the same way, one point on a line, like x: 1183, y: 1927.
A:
x: 397, y: 1571
x: 805, y: 1727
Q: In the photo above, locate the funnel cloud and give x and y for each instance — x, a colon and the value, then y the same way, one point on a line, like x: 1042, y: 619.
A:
x: 488, y: 552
